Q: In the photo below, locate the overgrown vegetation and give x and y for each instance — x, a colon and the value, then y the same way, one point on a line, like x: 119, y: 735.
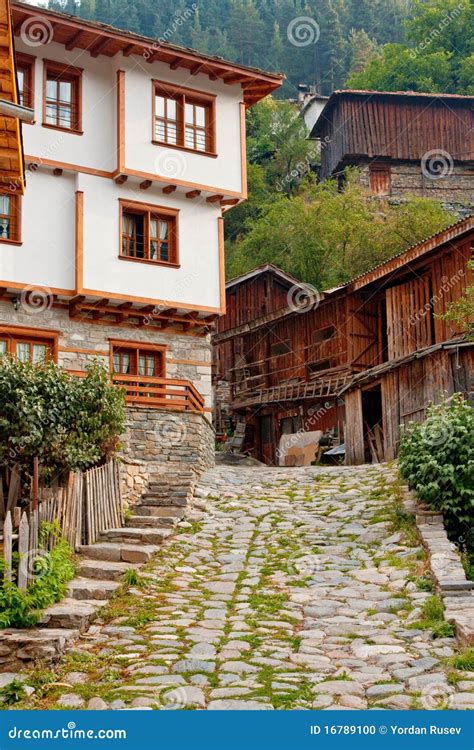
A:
x: 461, y: 311
x: 51, y: 570
x: 67, y: 422
x: 437, y: 460
x: 433, y: 619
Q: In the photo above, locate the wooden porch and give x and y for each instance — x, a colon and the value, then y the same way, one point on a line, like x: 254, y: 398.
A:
x: 160, y: 393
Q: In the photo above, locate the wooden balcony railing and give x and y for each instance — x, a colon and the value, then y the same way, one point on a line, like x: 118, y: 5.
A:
x: 160, y: 393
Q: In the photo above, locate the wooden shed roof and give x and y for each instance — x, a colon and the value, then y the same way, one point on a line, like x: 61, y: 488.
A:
x: 101, y: 39
x: 12, y: 173
x: 446, y: 236
x: 282, y: 276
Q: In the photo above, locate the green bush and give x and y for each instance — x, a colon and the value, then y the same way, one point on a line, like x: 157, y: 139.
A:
x: 436, y: 458
x: 67, y: 422
x: 52, y: 572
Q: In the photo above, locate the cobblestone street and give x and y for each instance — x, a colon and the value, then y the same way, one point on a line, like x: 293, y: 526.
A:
x: 284, y: 589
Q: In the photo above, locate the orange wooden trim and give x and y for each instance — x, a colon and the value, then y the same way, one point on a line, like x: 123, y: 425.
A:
x: 170, y: 330
x: 27, y: 284
x: 243, y: 151
x: 148, y: 300
x: 73, y: 72
x: 194, y: 96
x: 79, y: 240
x: 182, y: 183
x: 28, y: 61
x: 149, y: 262
x: 120, y: 120
x: 131, y: 344
x: 68, y: 166
x: 15, y: 215
x: 45, y: 334
x: 148, y: 208
x: 220, y: 234
x: 78, y: 350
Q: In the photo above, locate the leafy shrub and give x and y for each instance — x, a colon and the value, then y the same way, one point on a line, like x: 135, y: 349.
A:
x: 67, y: 422
x: 54, y: 570
x: 437, y: 460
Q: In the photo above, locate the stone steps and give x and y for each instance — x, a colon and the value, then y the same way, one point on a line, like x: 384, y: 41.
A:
x: 156, y: 501
x: 20, y: 648
x: 70, y: 613
x: 119, y: 552
x: 148, y: 511
x: 104, y: 570
x: 88, y: 588
x: 155, y: 522
x: 130, y: 535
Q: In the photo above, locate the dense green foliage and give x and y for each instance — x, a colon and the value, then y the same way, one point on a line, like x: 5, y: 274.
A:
x: 438, y: 56
x: 67, y: 422
x: 437, y: 460
x: 52, y: 572
x: 461, y: 311
x: 256, y: 32
x: 325, y: 236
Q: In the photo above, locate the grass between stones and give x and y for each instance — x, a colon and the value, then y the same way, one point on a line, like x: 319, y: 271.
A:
x: 433, y: 619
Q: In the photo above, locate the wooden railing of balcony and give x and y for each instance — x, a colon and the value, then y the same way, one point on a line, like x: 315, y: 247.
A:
x: 164, y: 393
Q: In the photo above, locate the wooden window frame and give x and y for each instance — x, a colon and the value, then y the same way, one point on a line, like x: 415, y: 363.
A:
x: 14, y: 334
x: 68, y: 72
x: 138, y: 347
x: 27, y: 63
x: 285, y: 342
x: 15, y: 217
x: 182, y: 96
x: 146, y: 209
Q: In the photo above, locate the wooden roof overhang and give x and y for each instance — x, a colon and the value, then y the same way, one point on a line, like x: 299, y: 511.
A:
x: 374, y: 373
x: 111, y: 312
x: 12, y: 171
x: 102, y: 39
x: 435, y: 243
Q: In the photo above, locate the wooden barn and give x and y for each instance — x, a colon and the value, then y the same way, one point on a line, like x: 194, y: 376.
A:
x: 355, y: 361
x: 403, y: 143
x: 411, y: 356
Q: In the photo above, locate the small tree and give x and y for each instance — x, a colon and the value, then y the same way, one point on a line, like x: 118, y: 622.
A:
x: 461, y: 311
x: 68, y: 423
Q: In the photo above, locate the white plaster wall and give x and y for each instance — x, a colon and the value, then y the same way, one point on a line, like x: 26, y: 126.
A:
x: 141, y: 154
x: 46, y: 256
x: 96, y: 148
x: 196, y: 282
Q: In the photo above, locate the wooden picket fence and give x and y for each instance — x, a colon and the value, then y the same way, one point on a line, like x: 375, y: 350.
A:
x: 90, y: 502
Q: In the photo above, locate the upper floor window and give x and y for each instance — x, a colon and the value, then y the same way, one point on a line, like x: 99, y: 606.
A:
x: 184, y: 118
x: 10, y: 224
x: 62, y: 97
x: 149, y: 233
x: 25, y: 76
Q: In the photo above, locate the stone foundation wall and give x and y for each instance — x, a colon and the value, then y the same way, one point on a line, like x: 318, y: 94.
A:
x: 455, y: 190
x: 170, y: 443
x: 187, y: 356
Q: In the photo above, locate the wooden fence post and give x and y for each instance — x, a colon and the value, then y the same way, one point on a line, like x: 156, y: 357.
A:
x: 7, y: 545
x: 23, y: 549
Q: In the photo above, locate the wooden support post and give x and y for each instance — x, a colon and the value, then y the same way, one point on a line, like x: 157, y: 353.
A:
x: 23, y: 548
x: 7, y: 546
x: 35, y: 490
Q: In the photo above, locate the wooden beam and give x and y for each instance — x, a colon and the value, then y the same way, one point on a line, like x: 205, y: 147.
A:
x: 128, y: 50
x: 175, y: 63
x: 193, y: 194
x: 120, y: 179
x: 196, y: 69
x: 145, y: 184
x: 169, y: 189
x: 229, y: 202
x: 73, y: 40
x: 214, y: 199
x: 57, y: 172
x: 99, y: 46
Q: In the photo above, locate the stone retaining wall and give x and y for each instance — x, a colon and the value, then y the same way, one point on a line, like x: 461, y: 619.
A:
x: 159, y: 441
x: 448, y: 573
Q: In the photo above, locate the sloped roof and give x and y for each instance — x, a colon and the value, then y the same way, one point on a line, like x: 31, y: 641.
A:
x: 102, y: 39
x: 286, y: 278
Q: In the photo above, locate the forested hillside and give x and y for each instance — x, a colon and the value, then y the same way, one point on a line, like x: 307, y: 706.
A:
x: 263, y: 33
